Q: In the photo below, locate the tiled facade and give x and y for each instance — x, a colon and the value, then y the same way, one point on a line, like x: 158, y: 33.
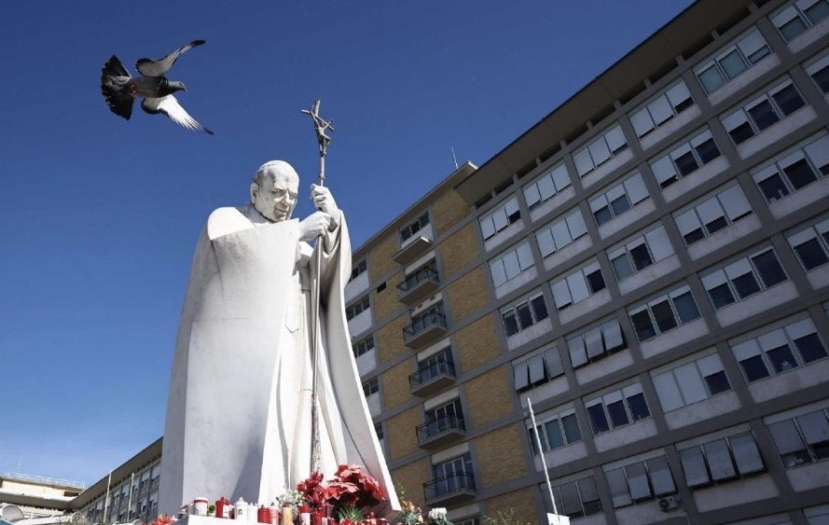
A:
x: 649, y: 265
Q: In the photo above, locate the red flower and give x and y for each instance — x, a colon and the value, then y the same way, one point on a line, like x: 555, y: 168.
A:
x: 349, y: 488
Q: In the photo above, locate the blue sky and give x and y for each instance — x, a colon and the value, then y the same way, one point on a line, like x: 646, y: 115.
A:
x: 99, y: 216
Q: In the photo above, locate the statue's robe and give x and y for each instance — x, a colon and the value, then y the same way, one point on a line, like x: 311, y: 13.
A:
x: 239, y: 407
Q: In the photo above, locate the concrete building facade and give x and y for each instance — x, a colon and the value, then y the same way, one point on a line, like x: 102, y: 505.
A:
x: 648, y: 266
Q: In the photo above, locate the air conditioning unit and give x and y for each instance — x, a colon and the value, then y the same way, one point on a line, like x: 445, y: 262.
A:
x: 669, y: 503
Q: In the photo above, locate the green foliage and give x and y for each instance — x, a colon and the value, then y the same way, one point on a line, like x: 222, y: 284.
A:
x: 350, y: 513
x: 505, y: 518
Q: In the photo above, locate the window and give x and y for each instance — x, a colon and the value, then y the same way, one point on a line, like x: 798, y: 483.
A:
x: 721, y: 460
x: 664, y: 313
x: 617, y: 409
x: 743, y: 278
x: 713, y: 214
x: 537, y: 370
x: 685, y: 159
x: 358, y: 269
x: 414, y: 227
x: 357, y: 308
x: 546, y: 186
x: 661, y: 109
x: 777, y: 103
x: 524, y: 314
x: 794, y: 169
x: 799, y: 16
x: 371, y: 387
x: 378, y: 429
x: 444, y: 417
x: 819, y: 71
x: 812, y: 245
x: 601, y: 150
x: 596, y: 343
x: 619, y: 199
x: 802, y: 439
x: 578, y: 286
x: 640, y: 253
x: 779, y: 350
x: 555, y: 430
x: 451, y: 476
x: 361, y: 347
x: 640, y: 481
x: 511, y: 263
x: 692, y: 382
x: 561, y: 232
x: 575, y: 499
x: 498, y: 219
x: 433, y: 316
x: 744, y: 53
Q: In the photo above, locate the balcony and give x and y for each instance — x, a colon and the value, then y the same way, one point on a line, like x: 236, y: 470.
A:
x: 418, y: 286
x: 442, y: 431
x: 432, y: 378
x: 425, y: 330
x: 415, y: 248
x: 450, y: 489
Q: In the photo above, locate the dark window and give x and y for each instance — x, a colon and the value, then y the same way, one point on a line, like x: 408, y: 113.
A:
x: 571, y: 428
x: 686, y: 163
x: 641, y: 257
x: 510, y: 323
x: 773, y: 188
x: 754, y: 368
x: 741, y: 133
x: 664, y: 316
x: 618, y: 415
x: 525, y: 318
x: 539, y: 308
x: 638, y: 407
x: 810, y: 348
x: 811, y: 254
x: 763, y: 115
x: 716, y: 225
x: 817, y: 11
x: 685, y: 104
x: 693, y: 236
x: 598, y: 420
x: 602, y: 215
x: 800, y: 174
x: 717, y: 382
x: 746, y: 285
x: 708, y: 151
x: 620, y: 205
x: 643, y: 325
x: 595, y: 281
x: 788, y: 99
x: 769, y: 268
x: 781, y: 358
x: 721, y: 295
x: 733, y: 64
x: 822, y: 79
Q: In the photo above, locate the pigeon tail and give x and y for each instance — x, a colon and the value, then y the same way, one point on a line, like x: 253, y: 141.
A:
x: 114, y: 78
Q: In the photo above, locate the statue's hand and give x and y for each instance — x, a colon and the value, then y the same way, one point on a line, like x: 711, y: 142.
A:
x: 314, y: 226
x: 324, y: 201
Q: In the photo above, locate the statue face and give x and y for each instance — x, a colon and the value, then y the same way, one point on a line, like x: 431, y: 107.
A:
x: 276, y: 199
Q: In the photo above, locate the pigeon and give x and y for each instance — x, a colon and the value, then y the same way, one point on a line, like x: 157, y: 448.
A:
x: 156, y: 91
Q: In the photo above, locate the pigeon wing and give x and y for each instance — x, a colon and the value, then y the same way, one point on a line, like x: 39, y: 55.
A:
x: 158, y: 68
x: 115, y: 80
x: 170, y: 107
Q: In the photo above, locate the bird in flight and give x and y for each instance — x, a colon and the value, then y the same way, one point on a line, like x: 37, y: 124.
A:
x: 152, y: 86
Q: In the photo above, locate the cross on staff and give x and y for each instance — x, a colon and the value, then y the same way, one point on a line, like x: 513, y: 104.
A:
x: 320, y: 127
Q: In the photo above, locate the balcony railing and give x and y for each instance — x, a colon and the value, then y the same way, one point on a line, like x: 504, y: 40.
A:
x: 441, y: 430
x: 418, y: 286
x: 425, y: 330
x: 455, y: 487
x: 432, y: 377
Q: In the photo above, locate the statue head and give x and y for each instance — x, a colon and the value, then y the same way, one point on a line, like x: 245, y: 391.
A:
x: 274, y: 190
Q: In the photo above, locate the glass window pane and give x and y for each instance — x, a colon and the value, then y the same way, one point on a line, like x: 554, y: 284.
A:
x: 525, y: 318
x: 811, y: 254
x: 733, y: 64
x: 786, y: 438
x: 618, y: 415
x: 686, y: 307
x: 571, y: 428
x: 781, y: 358
x: 788, y: 100
x: 800, y: 174
x: 717, y: 383
x: 754, y: 368
x: 815, y: 427
x: 598, y: 420
x: 711, y: 79
x: 746, y: 285
x: 510, y: 322
x: 622, y: 266
x: 686, y: 163
x: 641, y: 257
x: 763, y: 115
x: 620, y: 205
x: 773, y: 188
x: 539, y: 308
x: 708, y: 151
x: 554, y: 437
x: 664, y: 316
x: 602, y: 215
x: 810, y: 348
x: 643, y: 325
x: 818, y: 152
x: 817, y: 11
x: 595, y: 281
x: 638, y: 407
x: 769, y: 268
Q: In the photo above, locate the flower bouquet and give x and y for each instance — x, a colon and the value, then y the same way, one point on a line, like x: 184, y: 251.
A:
x: 349, y: 494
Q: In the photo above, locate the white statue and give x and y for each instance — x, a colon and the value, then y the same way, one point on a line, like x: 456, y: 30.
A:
x: 239, y: 408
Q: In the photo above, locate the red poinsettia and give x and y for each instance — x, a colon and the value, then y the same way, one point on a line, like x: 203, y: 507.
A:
x: 163, y: 520
x: 350, y: 487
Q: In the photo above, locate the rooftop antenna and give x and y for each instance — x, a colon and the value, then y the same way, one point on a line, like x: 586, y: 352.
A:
x: 454, y: 157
